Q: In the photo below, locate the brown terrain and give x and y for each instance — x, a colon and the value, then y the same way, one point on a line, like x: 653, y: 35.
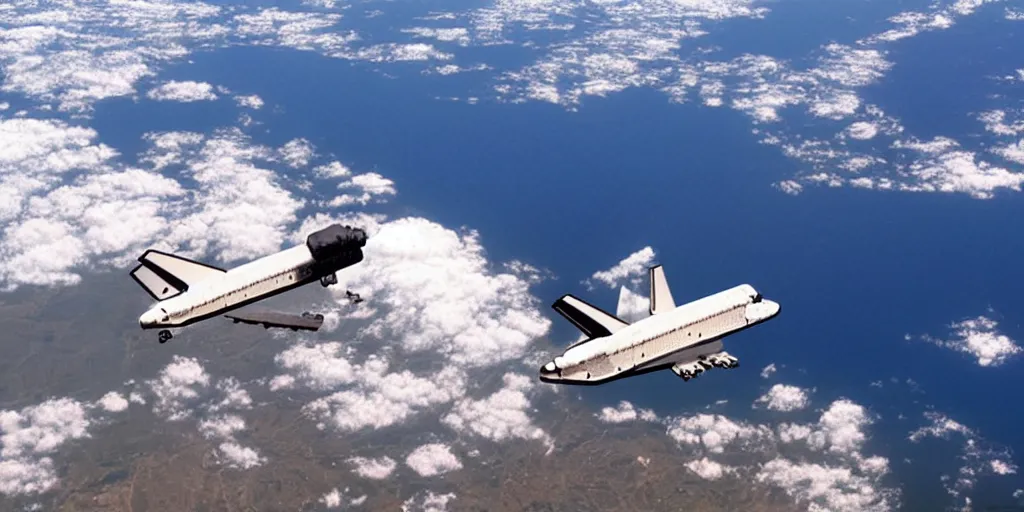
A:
x: 84, y: 341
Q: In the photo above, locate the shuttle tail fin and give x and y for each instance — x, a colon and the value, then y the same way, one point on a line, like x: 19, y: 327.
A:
x: 661, y: 294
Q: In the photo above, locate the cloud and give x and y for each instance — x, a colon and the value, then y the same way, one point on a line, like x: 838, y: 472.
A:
x: 840, y: 428
x: 979, y: 338
x: 234, y: 396
x: 44, y: 53
x: 185, y: 92
x: 431, y: 292
x: 178, y: 387
x: 632, y: 306
x: 367, y: 186
x: 851, y: 481
x: 768, y: 371
x: 825, y: 487
x: 851, y: 67
x: 956, y: 170
x: 714, y: 432
x: 297, y: 152
x: 995, y: 122
x: 113, y: 402
x: 584, y: 50
x: 862, y: 130
x: 251, y: 101
x: 438, y: 294
x: 432, y: 459
x: 428, y: 501
x: 374, y: 469
x: 334, y: 169
x: 1011, y: 152
x: 222, y: 423
x: 222, y: 426
x: 708, y: 469
x: 31, y: 436
x: 104, y: 212
x: 335, y: 499
x: 527, y: 272
x: 36, y: 155
x: 61, y: 57
x: 319, y: 367
x: 308, y: 31
x: 785, y: 398
x: 625, y: 412
x: 1000, y: 467
x: 500, y: 416
x: 629, y: 269
x: 384, y: 399
x: 840, y: 478
x: 449, y: 35
x: 281, y: 382
x: 239, y: 456
x: 978, y: 456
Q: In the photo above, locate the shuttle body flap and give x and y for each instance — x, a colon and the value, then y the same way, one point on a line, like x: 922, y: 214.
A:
x: 661, y: 294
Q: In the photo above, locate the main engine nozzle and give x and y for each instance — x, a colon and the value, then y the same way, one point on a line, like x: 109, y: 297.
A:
x: 335, y: 239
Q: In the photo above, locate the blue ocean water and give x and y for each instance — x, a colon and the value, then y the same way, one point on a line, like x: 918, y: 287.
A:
x: 942, y: 80
x: 575, y: 192
x: 796, y: 29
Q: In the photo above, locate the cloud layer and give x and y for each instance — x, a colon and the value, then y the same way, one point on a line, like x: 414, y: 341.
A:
x: 979, y: 338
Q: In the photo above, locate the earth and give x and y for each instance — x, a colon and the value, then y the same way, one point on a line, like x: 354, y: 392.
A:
x: 857, y: 162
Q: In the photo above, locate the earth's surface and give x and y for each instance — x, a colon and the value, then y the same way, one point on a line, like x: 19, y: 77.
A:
x: 859, y: 162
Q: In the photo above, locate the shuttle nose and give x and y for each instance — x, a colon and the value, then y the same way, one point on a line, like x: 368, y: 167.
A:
x: 761, y: 311
x: 149, y: 318
x: 549, y: 372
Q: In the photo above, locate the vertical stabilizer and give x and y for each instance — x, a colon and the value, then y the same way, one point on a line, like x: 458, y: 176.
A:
x: 661, y: 295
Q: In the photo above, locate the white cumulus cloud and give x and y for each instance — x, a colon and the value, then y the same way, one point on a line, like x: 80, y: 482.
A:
x: 708, y: 469
x: 433, y: 459
x: 185, y: 92
x: 625, y: 412
x: 113, y: 402
x: 178, y: 387
x: 251, y: 101
x: 373, y: 468
x: 783, y: 397
x: 629, y: 269
x: 979, y: 338
x: 501, y: 416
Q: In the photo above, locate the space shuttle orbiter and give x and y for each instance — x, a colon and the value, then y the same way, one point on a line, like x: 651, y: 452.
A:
x: 687, y: 338
x: 189, y: 291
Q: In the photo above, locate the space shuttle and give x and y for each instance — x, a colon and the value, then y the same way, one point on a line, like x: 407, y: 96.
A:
x: 189, y: 291
x: 687, y: 338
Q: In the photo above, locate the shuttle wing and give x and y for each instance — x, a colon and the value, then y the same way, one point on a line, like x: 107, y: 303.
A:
x: 157, y: 287
x: 165, y: 275
x: 594, y: 322
x: 268, y: 318
x: 661, y: 295
x: 185, y: 270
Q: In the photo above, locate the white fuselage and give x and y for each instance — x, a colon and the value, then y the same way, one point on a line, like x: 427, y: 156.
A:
x: 237, y: 287
x: 678, y: 335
